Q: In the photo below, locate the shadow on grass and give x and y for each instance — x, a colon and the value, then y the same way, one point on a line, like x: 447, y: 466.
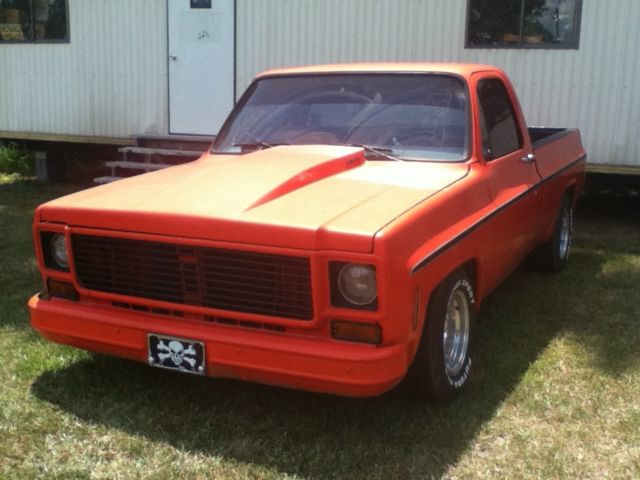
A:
x: 19, y: 277
x: 605, y: 321
x: 605, y: 318
x: 608, y: 215
x: 317, y: 435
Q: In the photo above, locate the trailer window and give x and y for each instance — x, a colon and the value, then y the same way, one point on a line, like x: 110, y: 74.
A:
x: 34, y: 21
x: 523, y: 23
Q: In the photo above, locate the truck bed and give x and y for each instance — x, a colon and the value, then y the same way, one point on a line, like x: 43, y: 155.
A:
x: 551, y: 159
x: 542, y: 135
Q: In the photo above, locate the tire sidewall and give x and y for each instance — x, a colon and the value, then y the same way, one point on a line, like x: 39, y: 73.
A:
x: 436, y: 323
x: 427, y: 375
x: 560, y: 260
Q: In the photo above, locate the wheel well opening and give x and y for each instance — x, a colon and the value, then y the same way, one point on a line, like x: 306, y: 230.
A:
x: 471, y: 269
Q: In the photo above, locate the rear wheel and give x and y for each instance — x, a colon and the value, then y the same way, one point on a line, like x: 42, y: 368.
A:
x: 555, y: 254
x: 443, y: 362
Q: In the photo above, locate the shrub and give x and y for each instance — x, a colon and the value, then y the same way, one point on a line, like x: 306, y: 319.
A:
x: 14, y: 159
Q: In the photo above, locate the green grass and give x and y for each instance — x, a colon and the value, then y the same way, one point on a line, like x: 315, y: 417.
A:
x: 556, y: 392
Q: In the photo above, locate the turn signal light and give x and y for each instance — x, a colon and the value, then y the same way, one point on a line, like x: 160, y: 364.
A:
x: 56, y: 288
x: 356, y: 332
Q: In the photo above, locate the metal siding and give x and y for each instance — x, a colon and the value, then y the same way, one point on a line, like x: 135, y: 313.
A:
x: 590, y: 88
x: 109, y: 81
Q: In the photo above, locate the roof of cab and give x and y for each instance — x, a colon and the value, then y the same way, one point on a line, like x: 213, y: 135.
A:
x: 462, y: 69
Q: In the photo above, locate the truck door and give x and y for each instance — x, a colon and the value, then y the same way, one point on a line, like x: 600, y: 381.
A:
x: 511, y: 175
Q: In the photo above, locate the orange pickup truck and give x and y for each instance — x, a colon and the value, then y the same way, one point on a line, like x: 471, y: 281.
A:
x: 339, y: 236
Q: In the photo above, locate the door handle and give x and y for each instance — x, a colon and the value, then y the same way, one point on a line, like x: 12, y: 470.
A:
x: 173, y: 58
x: 530, y: 158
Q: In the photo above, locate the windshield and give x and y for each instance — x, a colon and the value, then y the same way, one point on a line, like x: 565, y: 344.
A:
x: 409, y: 116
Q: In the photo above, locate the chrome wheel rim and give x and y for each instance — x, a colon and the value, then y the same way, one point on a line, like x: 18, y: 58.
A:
x: 565, y: 233
x: 455, y: 338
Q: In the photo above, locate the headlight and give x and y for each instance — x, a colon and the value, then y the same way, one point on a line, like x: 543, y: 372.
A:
x: 357, y: 283
x: 58, y: 249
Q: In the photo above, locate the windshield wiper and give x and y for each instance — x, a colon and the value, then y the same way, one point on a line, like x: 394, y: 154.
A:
x: 380, y: 151
x: 258, y: 144
x: 253, y: 146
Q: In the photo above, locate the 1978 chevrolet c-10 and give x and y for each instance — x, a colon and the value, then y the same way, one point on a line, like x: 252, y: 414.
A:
x: 339, y: 236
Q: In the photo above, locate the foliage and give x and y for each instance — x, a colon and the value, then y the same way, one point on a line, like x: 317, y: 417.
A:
x: 16, y: 160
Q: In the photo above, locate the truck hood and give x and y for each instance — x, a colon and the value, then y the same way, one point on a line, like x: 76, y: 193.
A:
x: 306, y: 197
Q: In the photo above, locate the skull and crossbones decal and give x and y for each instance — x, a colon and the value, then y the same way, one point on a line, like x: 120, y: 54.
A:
x: 176, y: 352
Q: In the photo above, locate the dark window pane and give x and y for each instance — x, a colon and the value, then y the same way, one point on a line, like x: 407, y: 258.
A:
x: 523, y: 23
x: 53, y: 15
x: 500, y: 130
x: 550, y: 21
x: 33, y: 20
x: 494, y: 22
x: 16, y: 20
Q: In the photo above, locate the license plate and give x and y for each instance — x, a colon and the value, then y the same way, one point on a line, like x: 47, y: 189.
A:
x: 178, y: 354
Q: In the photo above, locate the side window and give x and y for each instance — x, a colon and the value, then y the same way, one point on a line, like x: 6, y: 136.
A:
x: 500, y: 132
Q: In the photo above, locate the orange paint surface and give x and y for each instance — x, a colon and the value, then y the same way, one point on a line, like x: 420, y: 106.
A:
x: 313, y: 205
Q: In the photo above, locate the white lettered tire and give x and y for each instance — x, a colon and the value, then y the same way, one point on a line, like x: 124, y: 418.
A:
x: 442, y: 364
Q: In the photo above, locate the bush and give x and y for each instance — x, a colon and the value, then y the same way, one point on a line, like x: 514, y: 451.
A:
x: 14, y: 159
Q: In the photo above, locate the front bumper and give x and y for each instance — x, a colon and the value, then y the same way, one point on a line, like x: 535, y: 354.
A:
x: 318, y: 365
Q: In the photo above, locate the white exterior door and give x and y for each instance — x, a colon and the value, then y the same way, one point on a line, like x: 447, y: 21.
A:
x: 201, y: 65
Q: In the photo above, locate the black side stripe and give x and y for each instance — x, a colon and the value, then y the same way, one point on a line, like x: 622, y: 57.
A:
x: 450, y: 243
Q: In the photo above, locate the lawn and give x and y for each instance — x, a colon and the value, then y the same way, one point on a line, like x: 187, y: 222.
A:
x: 556, y: 391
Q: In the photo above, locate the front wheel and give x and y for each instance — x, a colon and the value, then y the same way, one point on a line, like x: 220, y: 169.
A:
x: 443, y: 362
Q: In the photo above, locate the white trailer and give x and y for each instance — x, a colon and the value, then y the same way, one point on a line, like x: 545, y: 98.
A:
x: 175, y: 67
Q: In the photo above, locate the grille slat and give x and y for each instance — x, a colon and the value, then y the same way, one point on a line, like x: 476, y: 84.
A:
x: 249, y: 282
x: 123, y: 288
x: 231, y: 264
x: 167, y: 277
x: 168, y: 271
x: 240, y: 257
x: 219, y: 284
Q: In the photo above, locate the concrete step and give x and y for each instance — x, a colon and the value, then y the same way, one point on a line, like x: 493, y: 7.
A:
x: 154, y: 152
x: 147, y: 166
x: 166, y: 152
x: 106, y: 179
x: 198, y: 143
